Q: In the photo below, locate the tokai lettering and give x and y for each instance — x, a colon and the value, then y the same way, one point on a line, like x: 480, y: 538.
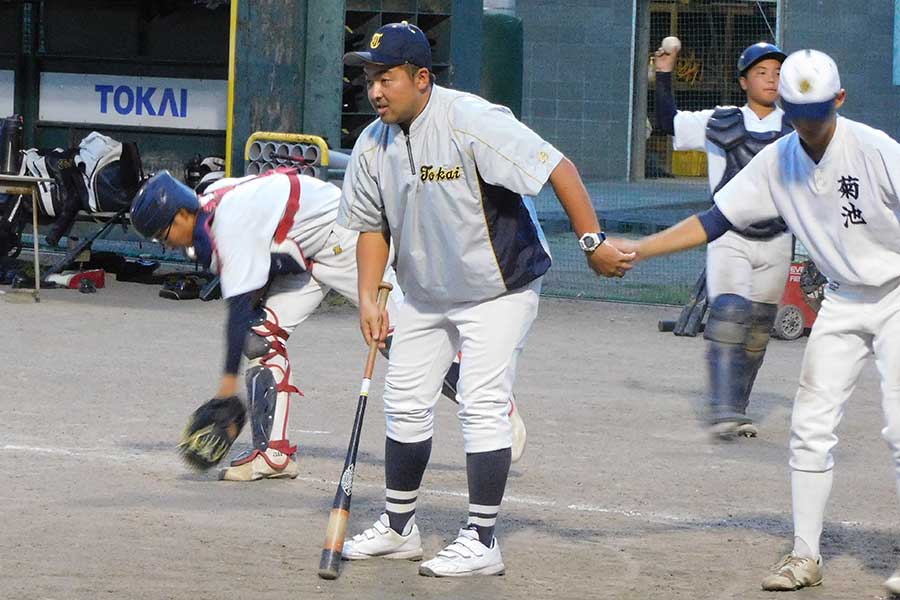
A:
x: 429, y: 173
x: 138, y: 100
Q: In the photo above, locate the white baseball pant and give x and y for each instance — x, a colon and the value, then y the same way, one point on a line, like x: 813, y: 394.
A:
x: 852, y: 323
x: 753, y: 269
x: 489, y: 334
x: 292, y: 298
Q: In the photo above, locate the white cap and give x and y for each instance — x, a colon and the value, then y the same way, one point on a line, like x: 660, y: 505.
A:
x: 807, y: 77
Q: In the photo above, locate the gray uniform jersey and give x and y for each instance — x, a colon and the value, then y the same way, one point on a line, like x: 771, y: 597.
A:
x: 450, y: 194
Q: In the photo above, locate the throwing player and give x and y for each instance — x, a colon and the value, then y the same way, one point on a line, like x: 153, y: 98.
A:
x: 441, y: 174
x: 836, y: 183
x: 746, y: 270
x: 275, y: 245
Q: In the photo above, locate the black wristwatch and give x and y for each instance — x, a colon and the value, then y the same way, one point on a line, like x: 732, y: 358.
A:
x: 591, y: 241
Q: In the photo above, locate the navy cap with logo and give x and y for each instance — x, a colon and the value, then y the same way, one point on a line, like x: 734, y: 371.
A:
x: 757, y: 53
x: 394, y: 44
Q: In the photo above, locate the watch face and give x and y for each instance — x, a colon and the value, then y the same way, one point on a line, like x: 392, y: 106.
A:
x: 589, y: 242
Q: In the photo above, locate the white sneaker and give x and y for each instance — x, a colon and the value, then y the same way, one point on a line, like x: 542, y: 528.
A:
x: 256, y: 465
x: 892, y: 584
x: 464, y: 557
x: 380, y: 540
x: 792, y: 573
x: 519, y: 435
x: 748, y: 430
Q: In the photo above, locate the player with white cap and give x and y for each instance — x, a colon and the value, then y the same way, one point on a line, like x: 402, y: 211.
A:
x: 836, y: 183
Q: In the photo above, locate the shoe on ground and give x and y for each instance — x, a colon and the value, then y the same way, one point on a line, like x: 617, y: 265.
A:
x: 792, y: 573
x: 729, y: 428
x: 464, y: 557
x: 380, y: 541
x: 255, y: 465
x: 519, y: 434
x: 747, y: 430
x: 892, y: 583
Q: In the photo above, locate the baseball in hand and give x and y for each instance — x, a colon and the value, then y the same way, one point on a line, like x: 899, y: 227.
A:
x: 671, y: 44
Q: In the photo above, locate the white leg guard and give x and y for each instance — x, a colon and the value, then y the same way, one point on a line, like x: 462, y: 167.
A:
x: 268, y: 391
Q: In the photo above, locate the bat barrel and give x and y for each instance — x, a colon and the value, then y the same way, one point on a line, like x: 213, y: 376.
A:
x: 330, y: 561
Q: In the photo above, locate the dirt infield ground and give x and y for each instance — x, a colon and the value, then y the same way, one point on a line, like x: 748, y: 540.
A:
x: 619, y: 495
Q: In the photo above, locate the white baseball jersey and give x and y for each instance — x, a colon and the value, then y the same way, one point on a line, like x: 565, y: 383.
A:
x: 690, y: 134
x: 259, y: 213
x: 844, y: 209
x: 450, y: 193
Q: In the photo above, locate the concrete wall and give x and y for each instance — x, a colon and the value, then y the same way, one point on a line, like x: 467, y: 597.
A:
x: 577, y: 78
x: 859, y: 37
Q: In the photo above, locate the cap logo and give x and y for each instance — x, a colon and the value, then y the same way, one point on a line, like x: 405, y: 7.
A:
x: 805, y: 86
x: 376, y: 40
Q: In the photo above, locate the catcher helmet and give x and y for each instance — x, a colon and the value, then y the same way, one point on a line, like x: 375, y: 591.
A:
x: 158, y: 201
x: 757, y: 52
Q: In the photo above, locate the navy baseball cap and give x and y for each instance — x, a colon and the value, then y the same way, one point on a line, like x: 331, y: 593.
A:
x: 757, y: 53
x: 394, y: 44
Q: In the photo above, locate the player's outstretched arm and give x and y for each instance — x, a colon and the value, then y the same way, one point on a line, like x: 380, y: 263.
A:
x: 605, y: 260
x: 372, y: 252
x: 694, y: 231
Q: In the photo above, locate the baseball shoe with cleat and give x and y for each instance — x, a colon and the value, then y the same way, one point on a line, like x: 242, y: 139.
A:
x: 747, y: 430
x: 892, y: 583
x: 380, y: 541
x: 255, y: 465
x: 729, y: 430
x: 792, y: 573
x: 464, y: 557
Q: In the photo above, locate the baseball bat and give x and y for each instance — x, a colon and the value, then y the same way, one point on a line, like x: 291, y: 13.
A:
x: 329, y: 563
x: 696, y: 295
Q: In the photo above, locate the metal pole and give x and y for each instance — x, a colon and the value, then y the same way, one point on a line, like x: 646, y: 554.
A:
x: 34, y: 223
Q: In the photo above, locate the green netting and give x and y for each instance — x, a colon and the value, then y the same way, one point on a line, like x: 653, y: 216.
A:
x: 626, y: 210
x: 713, y: 34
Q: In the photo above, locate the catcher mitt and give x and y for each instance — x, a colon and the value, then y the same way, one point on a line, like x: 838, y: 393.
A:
x: 812, y: 284
x: 211, y: 431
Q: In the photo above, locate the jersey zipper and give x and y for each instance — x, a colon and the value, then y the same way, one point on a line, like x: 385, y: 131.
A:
x: 412, y: 166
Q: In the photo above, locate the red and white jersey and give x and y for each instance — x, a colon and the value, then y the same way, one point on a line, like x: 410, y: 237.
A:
x: 256, y: 216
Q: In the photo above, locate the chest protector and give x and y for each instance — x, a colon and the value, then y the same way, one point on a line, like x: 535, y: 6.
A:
x: 726, y: 130
x: 286, y: 256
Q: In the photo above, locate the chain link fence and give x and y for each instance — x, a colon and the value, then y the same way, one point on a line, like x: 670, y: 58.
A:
x: 713, y: 34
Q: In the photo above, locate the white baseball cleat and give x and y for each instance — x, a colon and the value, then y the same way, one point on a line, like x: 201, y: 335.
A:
x: 519, y: 434
x: 729, y: 430
x: 792, y: 573
x: 892, y: 583
x: 464, y: 557
x: 380, y: 541
x: 256, y: 465
x: 748, y: 430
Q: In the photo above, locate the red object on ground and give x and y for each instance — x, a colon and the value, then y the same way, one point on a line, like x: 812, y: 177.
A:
x: 795, y: 315
x: 97, y: 276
